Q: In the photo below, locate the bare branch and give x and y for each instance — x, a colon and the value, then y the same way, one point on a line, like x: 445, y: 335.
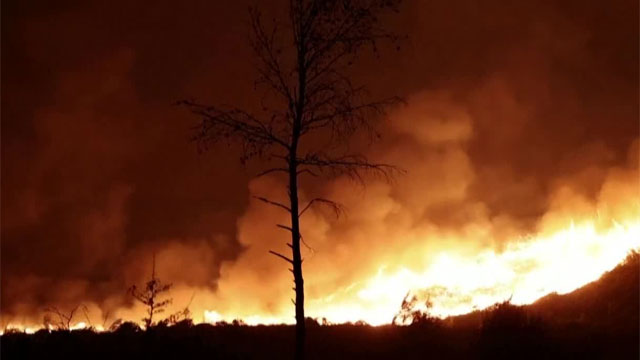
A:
x: 346, y: 116
x: 301, y: 237
x: 281, y: 256
x: 284, y: 227
x: 336, y: 207
x: 270, y: 68
x: 272, y: 170
x: 86, y: 314
x: 305, y: 244
x: 233, y: 124
x: 64, y: 319
x: 354, y: 166
x: 306, y: 171
x: 105, y: 317
x: 274, y: 203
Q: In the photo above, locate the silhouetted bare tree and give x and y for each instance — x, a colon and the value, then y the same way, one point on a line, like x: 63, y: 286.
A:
x: 308, y: 93
x: 149, y: 296
x: 64, y: 319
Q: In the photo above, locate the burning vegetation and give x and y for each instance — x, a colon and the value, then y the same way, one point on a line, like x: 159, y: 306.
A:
x: 552, y: 327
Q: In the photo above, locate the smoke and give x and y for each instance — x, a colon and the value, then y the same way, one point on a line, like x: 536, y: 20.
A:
x: 516, y: 122
x: 407, y: 223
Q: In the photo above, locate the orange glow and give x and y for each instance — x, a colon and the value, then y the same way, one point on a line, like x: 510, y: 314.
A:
x: 527, y: 269
x: 560, y: 257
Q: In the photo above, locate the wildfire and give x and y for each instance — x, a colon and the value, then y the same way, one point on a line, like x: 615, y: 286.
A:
x: 525, y: 270
x: 552, y: 261
x: 32, y: 329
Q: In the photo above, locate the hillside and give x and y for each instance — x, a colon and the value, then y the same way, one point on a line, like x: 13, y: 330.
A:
x: 611, y: 302
x: 598, y: 320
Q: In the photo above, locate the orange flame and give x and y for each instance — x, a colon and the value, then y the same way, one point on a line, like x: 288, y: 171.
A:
x: 560, y: 258
x: 557, y: 261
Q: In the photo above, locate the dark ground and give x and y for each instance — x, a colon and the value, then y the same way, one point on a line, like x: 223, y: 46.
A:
x: 598, y: 321
x: 331, y: 342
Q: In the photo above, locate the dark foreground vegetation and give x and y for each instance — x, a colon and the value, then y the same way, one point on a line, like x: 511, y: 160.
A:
x: 598, y: 321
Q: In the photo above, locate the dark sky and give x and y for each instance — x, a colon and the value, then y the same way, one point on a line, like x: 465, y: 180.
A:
x: 97, y: 168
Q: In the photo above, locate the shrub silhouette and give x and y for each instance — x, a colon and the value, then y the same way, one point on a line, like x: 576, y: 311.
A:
x: 408, y: 313
x: 181, y: 316
x: 127, y: 327
x: 509, y: 331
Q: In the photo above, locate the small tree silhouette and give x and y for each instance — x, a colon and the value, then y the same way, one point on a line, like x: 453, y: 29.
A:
x: 150, y: 294
x: 63, y: 321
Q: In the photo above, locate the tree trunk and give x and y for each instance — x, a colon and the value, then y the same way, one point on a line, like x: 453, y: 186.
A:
x: 297, y: 262
x: 293, y: 197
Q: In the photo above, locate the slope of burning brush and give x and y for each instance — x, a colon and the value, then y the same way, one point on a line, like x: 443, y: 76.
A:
x: 524, y: 272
